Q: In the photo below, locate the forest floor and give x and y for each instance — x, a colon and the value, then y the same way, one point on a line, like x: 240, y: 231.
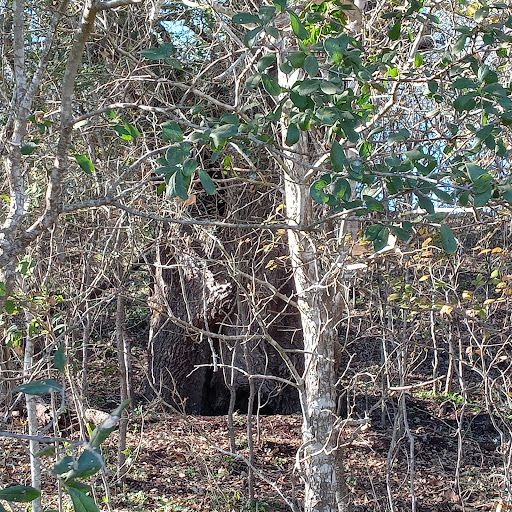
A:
x: 182, y: 463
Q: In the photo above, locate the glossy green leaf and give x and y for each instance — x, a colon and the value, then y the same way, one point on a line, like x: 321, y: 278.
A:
x: 372, y: 232
x: 85, y: 164
x: 280, y: 4
x: 10, y: 307
x: 251, y: 36
x: 253, y: 81
x: 189, y: 167
x: 38, y: 387
x: 206, y: 181
x: 101, y: 432
x: 448, y: 239
x: 399, y: 136
x: 317, y: 190
x: 171, y: 132
x: 266, y: 61
x: 381, y: 240
x: 292, y: 135
x: 178, y: 186
x: 482, y: 184
x: 59, y: 358
x: 222, y: 133
x: 266, y: 13
x: 88, y: 464
x: 19, y: 494
x: 270, y: 85
x: 425, y: 203
x: 394, y: 33
x: 298, y: 28
x: 308, y: 87
x: 297, y: 59
x: 482, y: 198
x: 82, y: 502
x: 481, y: 14
x: 338, y: 158
x: 465, y: 102
x: 28, y: 148
x: 158, y: 53
x: 243, y: 18
x: 311, y: 65
x: 463, y: 83
x: 459, y: 44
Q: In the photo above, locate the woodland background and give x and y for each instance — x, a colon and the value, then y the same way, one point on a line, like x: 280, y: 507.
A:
x: 278, y: 235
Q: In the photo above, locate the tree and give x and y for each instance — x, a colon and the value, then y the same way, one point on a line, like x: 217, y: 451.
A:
x: 351, y: 121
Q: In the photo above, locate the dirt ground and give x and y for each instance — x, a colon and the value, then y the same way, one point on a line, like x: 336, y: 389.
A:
x: 181, y: 463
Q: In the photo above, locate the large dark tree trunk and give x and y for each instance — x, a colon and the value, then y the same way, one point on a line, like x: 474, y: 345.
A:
x: 191, y: 288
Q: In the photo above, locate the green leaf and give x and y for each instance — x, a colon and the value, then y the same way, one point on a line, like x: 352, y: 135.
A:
x: 465, y: 102
x: 483, y: 198
x: 394, y: 33
x: 63, y: 465
x: 464, y: 83
x: 311, y: 65
x: 76, y: 484
x: 317, y: 189
x: 266, y: 13
x: 189, y: 167
x: 178, y: 186
x: 158, y: 53
x: 222, y: 133
x: 399, y: 136
x: 251, y: 36
x: 381, y: 239
x: 49, y: 451
x: 10, y: 307
x: 292, y: 135
x: 448, y: 239
x: 38, y: 387
x: 19, y: 494
x: 3, y: 290
x: 372, y: 232
x: 482, y: 183
x: 85, y: 164
x: 266, y: 61
x: 338, y: 158
x: 82, y: 502
x: 474, y: 171
x: 308, y: 87
x: 270, y: 85
x: 206, y: 181
x: 126, y: 131
x: 425, y: 203
x: 444, y: 196
x: 459, y: 44
x: 245, y: 17
x: 297, y: 59
x: 88, y: 464
x: 102, y: 431
x: 280, y: 4
x: 28, y: 148
x: 481, y: 14
x: 253, y: 81
x: 59, y: 358
x: 298, y: 28
x: 342, y: 189
x: 171, y: 132
x: 418, y: 60
x: 327, y: 115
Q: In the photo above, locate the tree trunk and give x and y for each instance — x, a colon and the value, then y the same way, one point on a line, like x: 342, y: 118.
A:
x: 320, y: 309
